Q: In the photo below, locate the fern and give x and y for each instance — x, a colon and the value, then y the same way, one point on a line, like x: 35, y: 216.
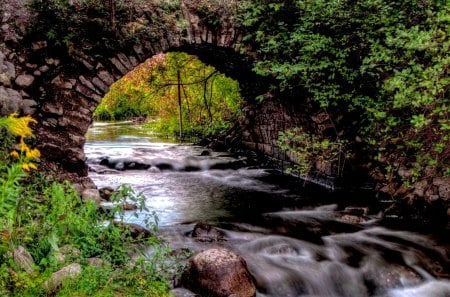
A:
x: 9, y: 190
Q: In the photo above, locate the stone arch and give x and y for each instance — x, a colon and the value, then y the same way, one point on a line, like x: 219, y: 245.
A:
x: 62, y: 92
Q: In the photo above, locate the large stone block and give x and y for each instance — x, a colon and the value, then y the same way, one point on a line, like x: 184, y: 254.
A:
x: 24, y: 80
x: 10, y: 101
x: 219, y: 273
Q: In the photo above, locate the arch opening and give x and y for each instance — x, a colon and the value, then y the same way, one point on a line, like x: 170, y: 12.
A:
x: 177, y: 95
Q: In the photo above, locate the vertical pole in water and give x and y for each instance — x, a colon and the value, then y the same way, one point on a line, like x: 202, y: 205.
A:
x: 179, y: 104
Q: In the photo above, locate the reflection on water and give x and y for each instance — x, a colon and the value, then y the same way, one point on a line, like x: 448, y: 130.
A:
x: 296, y: 242
x: 123, y: 132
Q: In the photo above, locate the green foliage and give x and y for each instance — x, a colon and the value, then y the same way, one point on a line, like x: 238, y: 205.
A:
x: 210, y: 101
x: 386, y: 62
x: 308, y: 150
x: 44, y: 216
x: 96, y: 27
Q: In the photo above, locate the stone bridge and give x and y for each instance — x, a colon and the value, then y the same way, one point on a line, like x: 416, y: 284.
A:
x: 62, y: 85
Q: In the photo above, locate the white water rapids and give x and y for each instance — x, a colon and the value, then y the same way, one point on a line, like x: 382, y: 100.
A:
x: 296, y: 242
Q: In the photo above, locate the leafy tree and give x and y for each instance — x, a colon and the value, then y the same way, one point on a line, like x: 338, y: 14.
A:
x: 178, y: 89
x: 382, y: 63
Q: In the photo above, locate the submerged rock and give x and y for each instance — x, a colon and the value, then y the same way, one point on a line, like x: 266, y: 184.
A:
x: 207, y: 233
x: 135, y: 230
x: 219, y: 273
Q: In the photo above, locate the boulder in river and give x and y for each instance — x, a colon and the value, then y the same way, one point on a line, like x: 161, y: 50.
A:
x: 206, y: 233
x: 135, y: 230
x: 219, y: 273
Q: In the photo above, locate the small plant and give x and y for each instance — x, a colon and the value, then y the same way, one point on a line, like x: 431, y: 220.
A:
x: 308, y: 149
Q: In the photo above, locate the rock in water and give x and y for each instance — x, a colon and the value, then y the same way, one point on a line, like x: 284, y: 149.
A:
x: 219, y: 273
x: 207, y: 233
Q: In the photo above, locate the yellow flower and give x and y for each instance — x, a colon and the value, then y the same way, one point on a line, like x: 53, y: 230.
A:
x: 14, y: 154
x: 25, y: 167
x: 23, y: 146
x: 32, y: 166
x: 32, y: 154
x: 20, y: 126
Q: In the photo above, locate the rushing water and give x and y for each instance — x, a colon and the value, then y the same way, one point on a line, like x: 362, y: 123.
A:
x: 296, y: 241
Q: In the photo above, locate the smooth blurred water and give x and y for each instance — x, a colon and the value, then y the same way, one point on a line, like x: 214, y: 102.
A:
x: 296, y: 241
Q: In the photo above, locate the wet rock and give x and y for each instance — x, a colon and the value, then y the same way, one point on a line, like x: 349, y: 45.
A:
x: 119, y: 166
x: 154, y: 169
x: 23, y: 259
x: 356, y: 211
x: 219, y: 273
x: 57, y: 278
x: 106, y: 192
x: 134, y: 230
x: 351, y: 219
x: 24, y: 80
x: 234, y: 164
x: 384, y: 277
x: 205, y: 153
x: 91, y: 195
x: 206, y: 233
x: 128, y: 206
x: 181, y: 292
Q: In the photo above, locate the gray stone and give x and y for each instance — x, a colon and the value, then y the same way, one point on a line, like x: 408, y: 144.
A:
x: 106, y: 77
x: 39, y: 45
x: 25, y: 80
x: 53, y: 109
x: 134, y: 230
x: 91, y: 195
x: 67, y: 85
x: 50, y: 122
x: 125, y: 61
x: 7, y: 73
x: 420, y: 188
x: 44, y: 68
x: 100, y: 84
x: 118, y: 65
x: 28, y: 106
x: 5, y: 79
x: 57, y: 278
x: 23, y: 259
x: 87, y: 83
x: 133, y: 60
x: 37, y: 73
x: 97, y: 262
x: 57, y: 81
x: 10, y: 101
x: 66, y: 252
x: 439, y: 181
x: 219, y: 273
x: 49, y: 61
x: 207, y: 233
x: 31, y: 66
x: 75, y: 155
x: 444, y: 191
x: 181, y: 292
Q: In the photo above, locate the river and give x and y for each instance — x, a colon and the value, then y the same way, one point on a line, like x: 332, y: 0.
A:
x: 296, y: 240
